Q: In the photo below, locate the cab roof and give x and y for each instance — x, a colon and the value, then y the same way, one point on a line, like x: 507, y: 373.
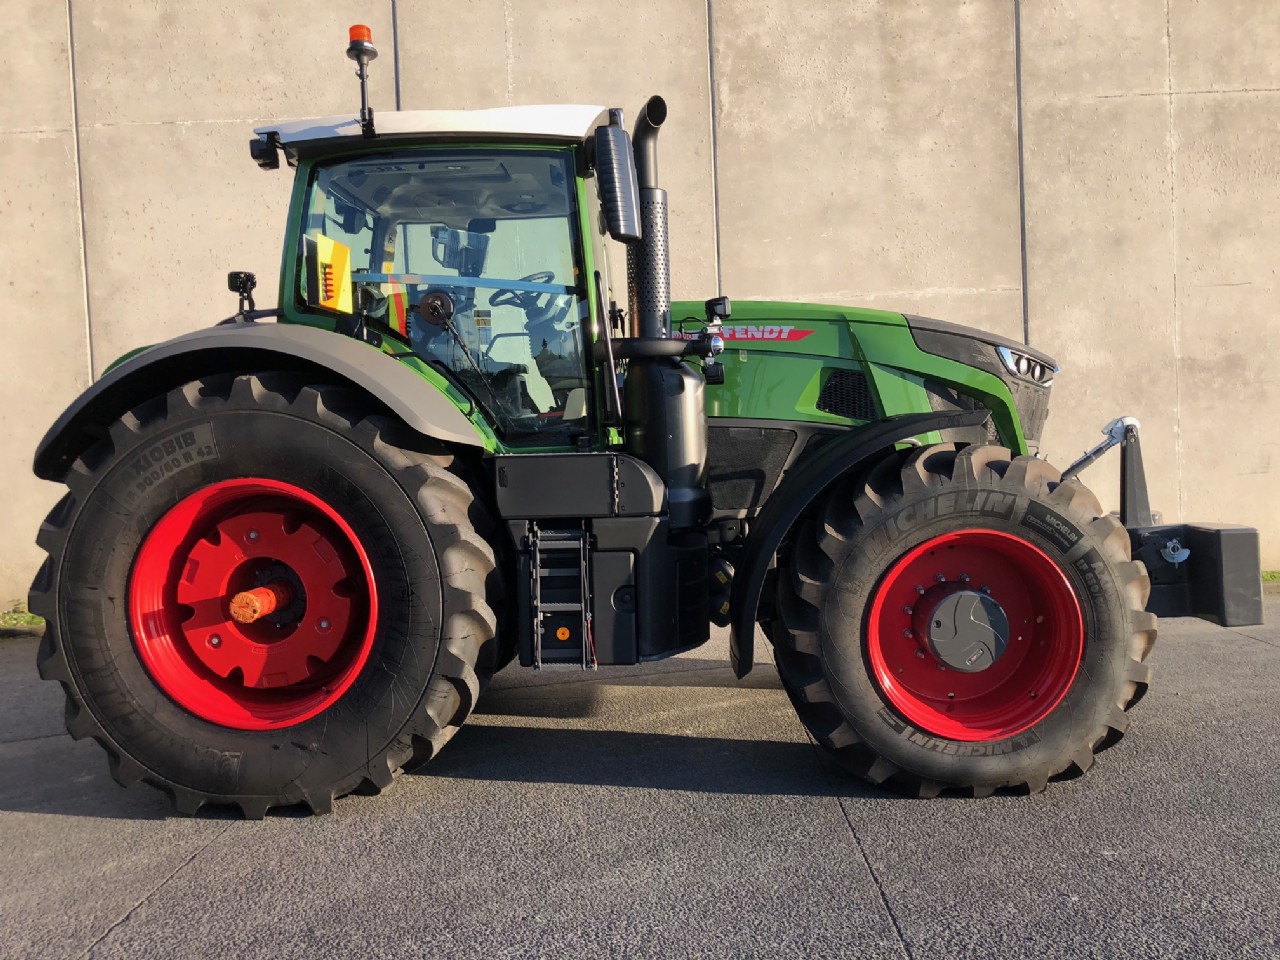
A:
x: 572, y: 122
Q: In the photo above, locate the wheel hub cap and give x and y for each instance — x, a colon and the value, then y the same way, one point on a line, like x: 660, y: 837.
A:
x: 964, y: 629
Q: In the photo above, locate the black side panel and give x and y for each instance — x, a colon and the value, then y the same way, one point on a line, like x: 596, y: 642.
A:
x: 666, y: 427
x: 801, y: 487
x: 538, y: 486
x: 242, y: 348
x: 945, y: 399
x: 748, y: 457
x: 1219, y: 581
x: 744, y: 463
x: 613, y: 592
x: 670, y: 596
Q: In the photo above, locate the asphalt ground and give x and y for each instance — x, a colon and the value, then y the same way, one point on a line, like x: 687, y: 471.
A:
x: 671, y: 811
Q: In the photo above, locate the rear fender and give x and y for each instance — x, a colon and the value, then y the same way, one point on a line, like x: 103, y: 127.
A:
x: 800, y: 488
x: 244, y: 347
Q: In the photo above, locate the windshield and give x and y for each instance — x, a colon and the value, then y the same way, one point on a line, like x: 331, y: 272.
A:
x: 488, y: 241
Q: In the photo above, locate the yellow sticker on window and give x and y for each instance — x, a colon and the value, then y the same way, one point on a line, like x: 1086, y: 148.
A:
x: 328, y: 273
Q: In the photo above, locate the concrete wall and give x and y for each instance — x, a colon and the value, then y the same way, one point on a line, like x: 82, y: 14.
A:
x: 1101, y: 178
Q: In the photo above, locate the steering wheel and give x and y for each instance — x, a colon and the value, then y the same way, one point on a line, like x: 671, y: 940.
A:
x: 524, y: 299
x: 539, y: 308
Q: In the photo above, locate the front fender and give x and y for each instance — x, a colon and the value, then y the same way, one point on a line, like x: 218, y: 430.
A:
x: 243, y: 347
x: 800, y: 488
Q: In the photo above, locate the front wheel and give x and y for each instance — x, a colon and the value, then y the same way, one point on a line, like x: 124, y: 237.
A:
x: 963, y: 619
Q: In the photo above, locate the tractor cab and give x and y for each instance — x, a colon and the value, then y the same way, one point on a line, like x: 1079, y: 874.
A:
x: 446, y: 242
x: 472, y: 259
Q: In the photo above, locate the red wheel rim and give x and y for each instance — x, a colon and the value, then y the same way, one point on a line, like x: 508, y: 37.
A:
x: 268, y: 539
x: 1023, y: 685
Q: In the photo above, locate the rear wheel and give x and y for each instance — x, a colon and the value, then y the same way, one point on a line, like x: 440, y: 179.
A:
x: 962, y: 619
x: 260, y: 593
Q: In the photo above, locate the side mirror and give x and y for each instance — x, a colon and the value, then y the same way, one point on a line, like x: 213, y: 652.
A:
x: 242, y: 282
x: 619, y: 195
x: 264, y: 153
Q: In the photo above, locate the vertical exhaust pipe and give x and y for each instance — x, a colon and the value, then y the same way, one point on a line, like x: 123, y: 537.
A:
x: 664, y: 416
x: 648, y: 269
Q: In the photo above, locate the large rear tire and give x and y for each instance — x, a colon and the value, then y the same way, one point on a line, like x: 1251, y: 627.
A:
x: 962, y: 619
x: 260, y: 592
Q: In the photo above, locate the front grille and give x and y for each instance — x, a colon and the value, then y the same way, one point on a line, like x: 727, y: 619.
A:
x: 744, y: 464
x: 847, y: 393
x: 1032, y: 402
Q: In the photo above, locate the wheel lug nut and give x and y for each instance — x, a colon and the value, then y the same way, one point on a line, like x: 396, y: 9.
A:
x: 964, y: 578
x: 919, y: 589
x: 215, y: 641
x: 252, y: 536
x: 906, y: 632
x: 907, y: 610
x: 987, y: 591
x: 919, y: 654
x: 324, y: 623
x: 941, y: 578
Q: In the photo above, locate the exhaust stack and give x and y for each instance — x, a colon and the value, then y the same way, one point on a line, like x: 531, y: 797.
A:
x: 648, y: 270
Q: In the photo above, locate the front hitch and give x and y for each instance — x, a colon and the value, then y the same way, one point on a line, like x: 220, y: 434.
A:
x: 1206, y: 570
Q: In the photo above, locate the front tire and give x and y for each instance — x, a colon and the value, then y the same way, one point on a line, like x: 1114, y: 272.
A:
x: 962, y: 619
x: 377, y: 636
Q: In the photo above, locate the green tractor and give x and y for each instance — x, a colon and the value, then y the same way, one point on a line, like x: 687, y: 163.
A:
x: 292, y: 554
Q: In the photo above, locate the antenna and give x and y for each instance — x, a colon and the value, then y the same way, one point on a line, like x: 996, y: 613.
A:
x: 362, y: 50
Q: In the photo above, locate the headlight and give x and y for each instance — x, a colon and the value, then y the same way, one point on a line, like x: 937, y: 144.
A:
x: 1026, y: 367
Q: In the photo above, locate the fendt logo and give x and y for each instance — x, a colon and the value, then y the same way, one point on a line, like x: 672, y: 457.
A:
x: 757, y: 333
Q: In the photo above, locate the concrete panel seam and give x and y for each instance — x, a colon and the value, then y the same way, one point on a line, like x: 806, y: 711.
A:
x: 820, y: 296
x: 51, y: 736
x: 508, y: 37
x: 154, y: 890
x: 395, y: 50
x: 903, y: 945
x: 34, y: 131
x: 75, y: 146
x: 1177, y: 320
x: 1269, y: 643
x: 1208, y: 92
x: 1022, y: 178
x: 714, y: 120
x: 108, y: 125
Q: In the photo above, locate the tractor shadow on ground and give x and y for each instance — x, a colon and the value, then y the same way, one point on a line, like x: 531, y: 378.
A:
x: 658, y: 761
x: 495, y: 746
x: 578, y: 695
x: 56, y: 775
